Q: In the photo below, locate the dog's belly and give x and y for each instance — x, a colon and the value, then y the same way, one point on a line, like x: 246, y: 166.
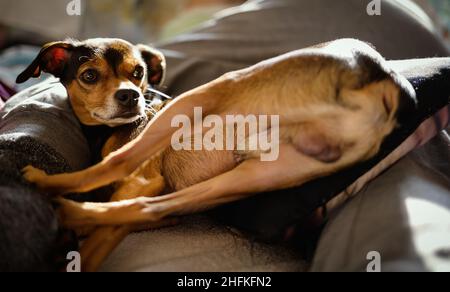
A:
x: 182, y: 169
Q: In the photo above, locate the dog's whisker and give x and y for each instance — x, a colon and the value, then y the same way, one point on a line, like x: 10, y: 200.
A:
x: 149, y: 106
x: 151, y: 110
x: 151, y: 113
x: 153, y: 92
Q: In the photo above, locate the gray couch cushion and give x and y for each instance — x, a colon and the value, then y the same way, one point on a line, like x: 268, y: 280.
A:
x: 200, y: 245
x: 37, y: 127
x: 404, y: 215
x: 43, y: 114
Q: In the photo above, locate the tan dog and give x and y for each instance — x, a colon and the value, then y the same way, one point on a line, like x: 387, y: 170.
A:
x: 107, y: 81
x: 336, y: 103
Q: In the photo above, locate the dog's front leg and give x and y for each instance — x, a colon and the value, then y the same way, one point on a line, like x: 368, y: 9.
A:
x: 252, y: 176
x: 154, y: 139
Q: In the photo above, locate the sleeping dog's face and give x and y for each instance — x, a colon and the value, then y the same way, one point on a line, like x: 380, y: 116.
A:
x: 105, y: 78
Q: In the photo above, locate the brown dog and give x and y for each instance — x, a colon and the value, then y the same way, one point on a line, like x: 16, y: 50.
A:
x: 107, y: 81
x: 336, y: 103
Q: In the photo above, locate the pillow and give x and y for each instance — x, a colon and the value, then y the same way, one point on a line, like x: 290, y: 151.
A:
x: 37, y: 127
x: 403, y: 216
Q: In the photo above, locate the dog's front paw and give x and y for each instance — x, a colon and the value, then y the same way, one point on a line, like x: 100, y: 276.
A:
x: 34, y: 175
x: 39, y: 178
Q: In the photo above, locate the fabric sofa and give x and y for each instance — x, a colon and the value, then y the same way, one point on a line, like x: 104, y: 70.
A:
x: 404, y: 214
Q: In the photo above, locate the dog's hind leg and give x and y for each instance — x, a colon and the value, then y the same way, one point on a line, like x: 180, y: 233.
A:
x: 100, y: 244
x: 105, y: 239
x: 146, y: 181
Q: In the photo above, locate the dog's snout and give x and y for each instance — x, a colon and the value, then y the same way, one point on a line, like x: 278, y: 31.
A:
x: 127, y: 97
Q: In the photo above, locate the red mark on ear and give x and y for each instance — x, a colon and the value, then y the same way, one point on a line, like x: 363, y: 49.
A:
x: 59, y: 53
x: 58, y: 56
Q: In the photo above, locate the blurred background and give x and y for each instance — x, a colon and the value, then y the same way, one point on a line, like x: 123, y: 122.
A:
x: 439, y: 11
x: 25, y: 25
x: 134, y: 20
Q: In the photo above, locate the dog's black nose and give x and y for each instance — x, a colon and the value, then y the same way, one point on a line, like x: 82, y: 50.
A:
x: 127, y: 97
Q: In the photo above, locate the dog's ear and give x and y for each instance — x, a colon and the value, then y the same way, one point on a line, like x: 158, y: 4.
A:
x: 51, y: 59
x: 156, y: 64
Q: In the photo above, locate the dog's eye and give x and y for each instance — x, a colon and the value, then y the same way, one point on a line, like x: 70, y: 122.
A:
x: 89, y: 76
x: 138, y: 72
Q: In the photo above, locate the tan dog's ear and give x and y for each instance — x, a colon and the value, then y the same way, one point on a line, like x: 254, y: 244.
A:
x: 51, y: 59
x: 156, y: 64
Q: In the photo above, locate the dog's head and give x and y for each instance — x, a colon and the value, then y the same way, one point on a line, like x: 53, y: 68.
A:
x: 105, y: 78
